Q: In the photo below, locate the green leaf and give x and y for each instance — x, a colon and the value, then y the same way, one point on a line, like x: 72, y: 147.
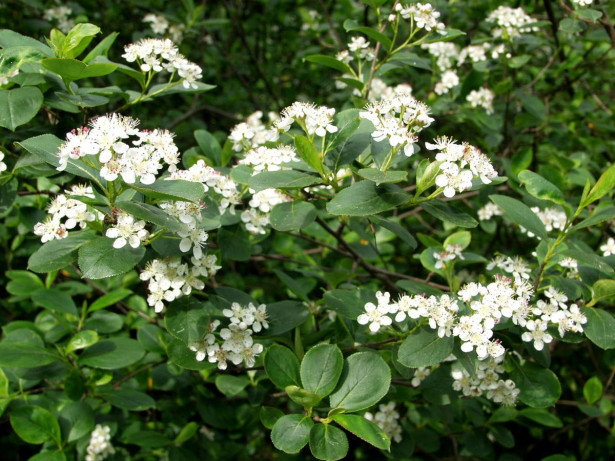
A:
x: 98, y: 259
x: 295, y: 215
x: 81, y: 340
x: 539, y: 386
x: 269, y: 416
x: 234, y: 243
x: 174, y: 189
x: 291, y: 433
x: 77, y: 39
x: 187, y: 320
x: 19, y: 105
x: 426, y: 177
x: 151, y: 214
x: 179, y: 88
x: 521, y: 160
x: 71, y: 69
x: 396, y: 228
x: 4, y: 385
x: 55, y: 300
x: 542, y: 189
x: 519, y: 61
x: 109, y: 299
x: 542, y: 416
x: 349, y: 304
x: 35, y: 425
x: 599, y: 327
x: 445, y: 35
x: 128, y: 399
x: 592, y: 390
x: 25, y: 355
x: 602, y: 187
x: 329, y: 62
x: 187, y: 432
x: 328, y: 442
x: 424, y: 348
x: 365, y: 198
x: 365, y: 380
x: 597, y: 217
x: 589, y: 13
x: 364, y: 429
x: 302, y: 397
x: 352, y: 25
x: 10, y: 39
x: 282, y: 366
x: 209, y: 145
x: 321, y: 368
x: 76, y: 420
x: 285, y: 315
x: 231, y: 386
x: 445, y: 212
x: 283, y: 179
x: 603, y: 289
x: 102, y: 48
x: 46, y: 147
x: 381, y: 177
x: 520, y: 214
x: 112, y: 354
x: 57, y: 254
x: 308, y: 153
x: 180, y: 355
x: 534, y: 106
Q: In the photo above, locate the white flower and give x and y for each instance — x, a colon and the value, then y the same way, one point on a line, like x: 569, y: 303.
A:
x: 193, y: 237
x: 387, y: 419
x: 100, y: 444
x: 50, y: 229
x: 482, y: 98
x: 159, y: 24
x: 376, y: 316
x: 608, y: 248
x: 127, y: 230
x: 419, y: 375
x: 2, y: 164
x: 537, y: 333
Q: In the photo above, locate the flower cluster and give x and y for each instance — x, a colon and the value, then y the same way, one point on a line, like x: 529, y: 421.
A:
x: 170, y: 279
x: 73, y: 211
x: 489, y: 211
x: 100, y: 444
x: 269, y: 159
x: 160, y: 25
x: 387, y: 419
x: 360, y: 47
x: 235, y: 343
x: 314, y: 120
x: 448, y: 81
x: 60, y: 15
x: 256, y: 217
x: 253, y: 132
x: 582, y: 3
x: 552, y: 218
x: 108, y: 138
x: 487, y: 382
x: 424, y: 15
x: 482, y: 97
x: 3, y: 166
x: 155, y: 55
x: 516, y: 266
x: 398, y: 119
x: 450, y: 253
x: 444, y: 52
x: 608, y: 248
x: 475, y: 53
x: 127, y: 230
x: 510, y: 22
x: 460, y: 163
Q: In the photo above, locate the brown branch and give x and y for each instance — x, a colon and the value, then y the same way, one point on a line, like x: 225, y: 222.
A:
x: 332, y: 28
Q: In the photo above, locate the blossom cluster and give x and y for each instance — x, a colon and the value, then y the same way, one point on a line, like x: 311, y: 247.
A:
x: 3, y: 166
x: 314, y: 120
x: 424, y: 15
x: 552, y: 218
x: 60, y: 15
x: 510, y: 22
x: 483, y: 97
x: 155, y: 55
x: 460, y: 163
x: 486, y: 382
x: 160, y: 25
x: 127, y: 230
x: 171, y: 278
x: 489, y: 211
x: 108, y: 140
x: 256, y: 217
x: 398, y: 120
x: 361, y: 49
x: 65, y: 213
x: 449, y: 253
x: 269, y: 159
x: 387, y: 419
x: 253, y: 132
x: 100, y: 444
x: 235, y: 342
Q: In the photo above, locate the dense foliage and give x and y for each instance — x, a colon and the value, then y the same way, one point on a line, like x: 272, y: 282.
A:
x: 307, y: 229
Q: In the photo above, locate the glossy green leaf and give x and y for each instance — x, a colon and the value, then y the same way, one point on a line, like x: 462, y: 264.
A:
x: 520, y: 214
x: 365, y: 198
x: 381, y: 177
x: 174, y: 189
x: 81, y: 340
x: 599, y: 327
x: 187, y: 320
x: 308, y: 153
x: 302, y: 397
x: 151, y: 214
x: 283, y: 179
x: 396, y: 228
x: 540, y: 188
x: 209, y: 145
x: 602, y: 187
x: 424, y: 348
x: 329, y: 62
x: 294, y: 215
x: 364, y: 381
x: 321, y: 368
x: 76, y: 420
x: 98, y: 259
x: 128, y: 399
x: 55, y: 300
x: 603, y: 289
x: 291, y: 433
x: 25, y: 355
x: 113, y: 353
x: 58, y: 254
x: 539, y: 386
x: 448, y: 213
x: 35, y: 425
x: 364, y: 429
x: 269, y: 416
x: 541, y: 416
x: 19, y: 105
x: 328, y: 442
x: 282, y: 366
